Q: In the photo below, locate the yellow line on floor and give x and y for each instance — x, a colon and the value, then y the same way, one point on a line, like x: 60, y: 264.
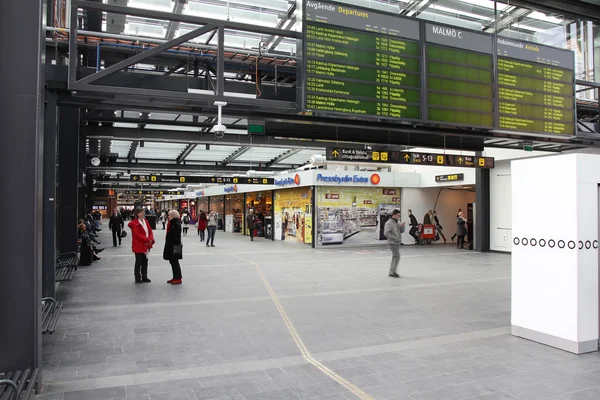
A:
x: 305, y: 353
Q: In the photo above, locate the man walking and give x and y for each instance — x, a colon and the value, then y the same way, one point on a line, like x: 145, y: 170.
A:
x: 393, y: 232
x: 414, y: 226
x: 116, y: 225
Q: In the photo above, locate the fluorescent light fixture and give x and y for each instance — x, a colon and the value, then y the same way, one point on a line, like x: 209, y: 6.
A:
x: 229, y: 94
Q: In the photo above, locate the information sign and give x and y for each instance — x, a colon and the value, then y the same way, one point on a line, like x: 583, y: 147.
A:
x: 400, y: 157
x: 535, y: 88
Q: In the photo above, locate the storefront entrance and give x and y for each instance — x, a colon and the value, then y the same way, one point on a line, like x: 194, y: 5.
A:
x: 293, y: 215
x: 262, y: 203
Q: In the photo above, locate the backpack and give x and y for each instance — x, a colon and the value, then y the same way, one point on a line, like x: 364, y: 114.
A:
x: 186, y: 219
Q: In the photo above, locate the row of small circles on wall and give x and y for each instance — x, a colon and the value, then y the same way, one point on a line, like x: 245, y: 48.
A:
x: 551, y: 243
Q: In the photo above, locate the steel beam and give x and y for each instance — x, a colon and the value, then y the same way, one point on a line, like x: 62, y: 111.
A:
x: 499, y: 26
x: 282, y: 157
x: 197, y: 98
x: 186, y: 152
x: 156, y: 135
x: 188, y: 19
x: 81, y: 84
x: 220, y: 62
x: 104, y: 147
x: 174, y: 25
x: 235, y: 155
x: 132, y: 150
x: 206, y: 168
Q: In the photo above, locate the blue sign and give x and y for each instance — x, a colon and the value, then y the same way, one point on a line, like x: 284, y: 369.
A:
x: 284, y: 181
x: 230, y: 189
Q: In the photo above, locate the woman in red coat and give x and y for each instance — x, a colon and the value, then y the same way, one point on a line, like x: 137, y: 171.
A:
x: 142, y: 240
x: 201, y: 224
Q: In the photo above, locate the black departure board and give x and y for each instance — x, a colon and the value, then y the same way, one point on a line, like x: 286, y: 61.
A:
x: 361, y: 62
x: 460, y: 77
x: 536, y: 88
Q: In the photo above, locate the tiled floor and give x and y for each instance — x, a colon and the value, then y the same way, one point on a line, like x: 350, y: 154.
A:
x: 439, y: 332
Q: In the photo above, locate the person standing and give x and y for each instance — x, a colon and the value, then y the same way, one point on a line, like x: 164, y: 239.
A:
x: 414, y: 226
x: 392, y: 230
x: 116, y: 225
x: 457, y: 215
x: 173, y: 251
x: 427, y: 218
x: 163, y: 218
x: 185, y: 218
x: 142, y: 240
x: 211, y: 224
x: 438, y: 226
x: 250, y: 223
x: 461, y: 230
x: 201, y: 224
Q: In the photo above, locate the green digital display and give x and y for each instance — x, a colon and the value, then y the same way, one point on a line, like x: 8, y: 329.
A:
x: 534, y: 97
x: 459, y: 86
x: 361, y: 73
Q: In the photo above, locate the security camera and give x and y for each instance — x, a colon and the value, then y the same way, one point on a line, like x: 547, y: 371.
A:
x: 219, y: 129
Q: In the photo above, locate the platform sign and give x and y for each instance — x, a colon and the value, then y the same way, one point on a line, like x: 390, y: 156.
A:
x: 402, y: 157
x: 201, y: 179
x: 450, y: 178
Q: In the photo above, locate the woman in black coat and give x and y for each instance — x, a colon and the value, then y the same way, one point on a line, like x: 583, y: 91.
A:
x: 461, y: 230
x: 173, y: 238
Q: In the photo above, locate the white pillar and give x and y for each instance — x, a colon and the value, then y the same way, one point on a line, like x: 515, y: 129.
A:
x: 554, y: 282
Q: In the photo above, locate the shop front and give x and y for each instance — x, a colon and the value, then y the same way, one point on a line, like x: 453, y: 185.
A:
x: 262, y: 203
x: 217, y: 204
x: 234, y: 212
x: 354, y: 215
x: 201, y: 202
x: 294, y: 215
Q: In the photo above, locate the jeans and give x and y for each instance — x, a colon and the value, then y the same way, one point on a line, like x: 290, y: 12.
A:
x: 413, y: 232
x: 251, y: 233
x: 140, y: 270
x: 116, y: 235
x: 201, y: 233
x: 176, y: 269
x: 211, y: 235
x: 460, y: 243
x: 395, y: 248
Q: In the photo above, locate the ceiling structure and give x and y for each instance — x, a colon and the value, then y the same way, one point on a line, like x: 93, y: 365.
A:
x: 139, y: 133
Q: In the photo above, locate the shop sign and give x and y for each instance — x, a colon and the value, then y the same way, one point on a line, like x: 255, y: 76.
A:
x: 389, y: 192
x: 374, y: 179
x: 199, y: 193
x: 395, y: 199
x: 368, y: 202
x: 332, y: 196
x: 230, y: 189
x: 288, y: 181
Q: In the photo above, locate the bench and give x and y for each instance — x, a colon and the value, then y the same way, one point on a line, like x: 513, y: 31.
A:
x: 18, y: 385
x: 66, y: 264
x: 50, y: 311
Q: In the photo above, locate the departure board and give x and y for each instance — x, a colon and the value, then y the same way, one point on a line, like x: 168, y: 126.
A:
x: 536, y: 88
x: 361, y: 62
x: 459, y: 71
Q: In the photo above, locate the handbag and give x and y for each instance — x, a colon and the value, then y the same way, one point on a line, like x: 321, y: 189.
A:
x: 123, y: 234
x: 177, y: 250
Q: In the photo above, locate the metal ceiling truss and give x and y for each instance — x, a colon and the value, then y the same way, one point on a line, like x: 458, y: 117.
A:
x: 186, y: 152
x: 132, y: 150
x: 197, y: 167
x: 234, y: 156
x: 282, y: 157
x: 85, y: 84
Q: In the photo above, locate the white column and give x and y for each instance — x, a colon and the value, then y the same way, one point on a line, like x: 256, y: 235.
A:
x: 554, y: 282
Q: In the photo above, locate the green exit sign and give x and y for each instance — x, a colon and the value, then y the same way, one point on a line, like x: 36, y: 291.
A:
x: 256, y: 128
x: 528, y: 147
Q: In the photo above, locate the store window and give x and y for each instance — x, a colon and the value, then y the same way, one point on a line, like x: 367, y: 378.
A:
x: 262, y: 203
x: 353, y: 214
x: 216, y: 205
x: 293, y: 215
x: 234, y: 212
x: 202, y: 204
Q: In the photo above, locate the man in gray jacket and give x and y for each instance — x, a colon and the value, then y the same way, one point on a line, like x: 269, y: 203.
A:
x: 393, y: 232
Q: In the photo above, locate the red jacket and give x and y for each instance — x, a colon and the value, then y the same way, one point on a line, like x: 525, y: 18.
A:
x: 140, y: 243
x: 201, y: 224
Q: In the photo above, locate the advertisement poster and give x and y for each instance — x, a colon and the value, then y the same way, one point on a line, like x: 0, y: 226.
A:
x: 351, y: 215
